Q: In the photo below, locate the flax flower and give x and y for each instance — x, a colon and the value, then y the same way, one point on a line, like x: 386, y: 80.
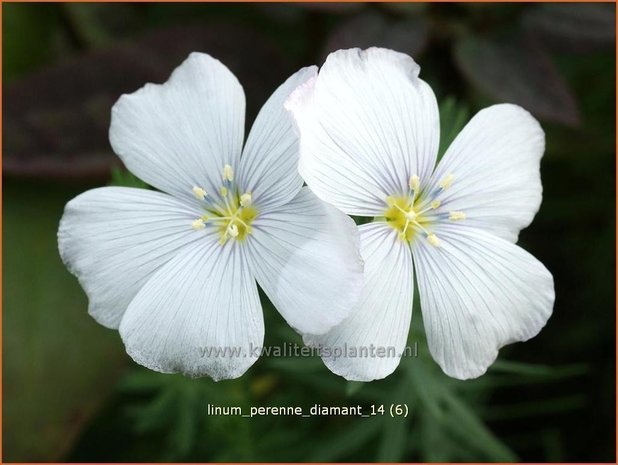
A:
x: 369, y: 130
x: 175, y: 271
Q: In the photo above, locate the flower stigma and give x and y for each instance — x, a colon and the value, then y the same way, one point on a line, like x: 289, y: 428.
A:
x: 231, y: 212
x: 412, y: 214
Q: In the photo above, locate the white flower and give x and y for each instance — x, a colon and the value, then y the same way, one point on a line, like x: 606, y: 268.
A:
x: 176, y: 270
x: 369, y: 131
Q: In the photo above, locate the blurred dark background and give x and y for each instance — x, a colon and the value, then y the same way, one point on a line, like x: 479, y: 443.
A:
x: 71, y: 393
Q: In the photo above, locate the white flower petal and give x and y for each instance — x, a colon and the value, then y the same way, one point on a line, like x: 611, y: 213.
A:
x: 367, y: 124
x: 269, y: 163
x: 495, y: 162
x: 114, y: 238
x: 382, y: 317
x: 195, y: 313
x: 478, y: 293
x: 180, y: 134
x: 305, y: 257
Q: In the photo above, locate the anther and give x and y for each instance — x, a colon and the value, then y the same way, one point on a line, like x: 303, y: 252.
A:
x: 390, y: 200
x: 223, y: 191
x: 228, y: 173
x: 414, y: 183
x: 435, y: 204
x: 199, y: 193
x: 447, y: 181
x: 198, y: 224
x: 204, y: 218
x: 433, y: 240
x: 456, y: 216
x: 246, y: 199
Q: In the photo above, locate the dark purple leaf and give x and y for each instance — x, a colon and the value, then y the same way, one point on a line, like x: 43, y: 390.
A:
x: 573, y: 27
x: 372, y: 29
x: 517, y: 71
x: 56, y: 121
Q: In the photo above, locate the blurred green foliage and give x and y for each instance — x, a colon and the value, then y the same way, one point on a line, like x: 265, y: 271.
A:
x: 69, y: 388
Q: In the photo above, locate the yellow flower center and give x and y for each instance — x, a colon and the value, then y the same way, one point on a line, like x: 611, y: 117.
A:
x: 231, y: 213
x: 399, y: 214
x: 236, y: 221
x: 410, y: 215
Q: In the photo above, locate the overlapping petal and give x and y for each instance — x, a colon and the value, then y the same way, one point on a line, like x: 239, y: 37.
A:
x: 305, y: 257
x: 269, y: 163
x: 478, y: 293
x: 114, y: 238
x: 200, y: 314
x: 367, y: 123
x: 180, y: 134
x: 380, y: 323
x: 495, y: 163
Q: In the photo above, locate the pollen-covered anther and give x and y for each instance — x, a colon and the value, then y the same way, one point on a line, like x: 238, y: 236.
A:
x: 199, y: 193
x: 223, y: 191
x: 414, y: 183
x: 246, y: 200
x: 433, y: 240
x: 435, y: 204
x: 456, y: 216
x: 228, y: 173
x: 447, y: 181
x: 198, y: 224
x: 232, y: 229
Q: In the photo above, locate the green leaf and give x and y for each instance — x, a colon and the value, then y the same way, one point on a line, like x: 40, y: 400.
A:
x: 28, y: 29
x: 535, y: 407
x: 352, y: 387
x: 95, y: 24
x: 352, y: 438
x: 122, y: 177
x: 528, y: 369
x: 468, y: 426
x: 428, y: 390
x: 393, y: 442
x: 453, y: 117
x: 59, y: 364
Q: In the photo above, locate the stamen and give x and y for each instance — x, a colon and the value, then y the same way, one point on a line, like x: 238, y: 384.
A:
x: 198, y: 224
x: 414, y: 183
x: 446, y: 182
x: 456, y: 216
x: 390, y: 201
x: 435, y: 204
x: 199, y: 193
x: 433, y: 240
x: 421, y: 227
x: 223, y: 191
x: 246, y: 200
x: 402, y: 233
x: 228, y: 173
x: 204, y: 218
